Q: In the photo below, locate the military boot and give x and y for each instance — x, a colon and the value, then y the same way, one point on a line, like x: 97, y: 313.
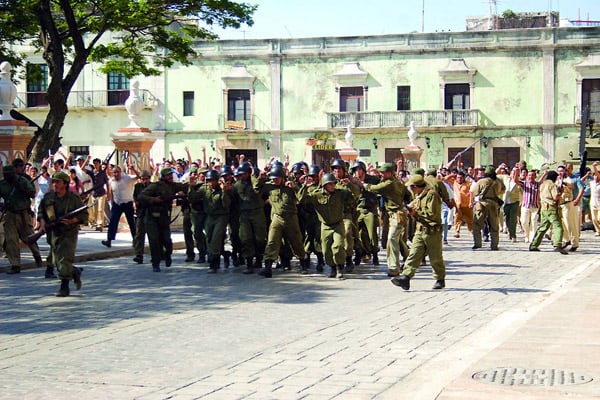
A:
x: 349, y: 265
x: 375, y: 258
x: 305, y: 265
x: 249, y: 266
x: 267, y: 272
x: 235, y: 259
x: 201, y: 259
x: 358, y: 253
x: 49, y: 274
x: 286, y: 264
x: 259, y: 261
x: 213, y: 265
x: 38, y: 261
x: 340, y: 271
x: 320, y: 262
x: 77, y: 277
x: 14, y: 269
x: 64, y: 288
x: 333, y: 272
x: 226, y: 259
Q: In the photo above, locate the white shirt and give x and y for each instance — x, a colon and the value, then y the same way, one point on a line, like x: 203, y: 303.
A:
x: 122, y: 189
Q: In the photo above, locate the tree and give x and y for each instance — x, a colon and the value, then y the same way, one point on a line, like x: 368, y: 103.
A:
x: 68, y: 35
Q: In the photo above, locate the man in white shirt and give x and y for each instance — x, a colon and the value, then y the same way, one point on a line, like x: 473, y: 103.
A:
x: 80, y: 165
x: 121, y: 195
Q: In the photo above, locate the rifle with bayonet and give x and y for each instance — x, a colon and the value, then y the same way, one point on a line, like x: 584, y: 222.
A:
x: 460, y: 153
x: 35, y: 236
x: 85, y: 195
x: 109, y: 156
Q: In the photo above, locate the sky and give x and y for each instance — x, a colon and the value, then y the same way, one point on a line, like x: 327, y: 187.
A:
x: 286, y: 19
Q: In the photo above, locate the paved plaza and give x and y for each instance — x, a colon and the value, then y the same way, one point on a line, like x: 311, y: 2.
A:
x: 184, y: 334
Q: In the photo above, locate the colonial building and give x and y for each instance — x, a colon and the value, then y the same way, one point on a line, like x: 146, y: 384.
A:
x: 503, y: 95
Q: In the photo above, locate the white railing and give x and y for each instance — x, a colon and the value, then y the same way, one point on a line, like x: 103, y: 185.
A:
x: 87, y: 98
x: 394, y: 119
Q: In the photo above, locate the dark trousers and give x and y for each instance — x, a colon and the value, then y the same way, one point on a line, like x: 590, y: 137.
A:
x: 115, y: 215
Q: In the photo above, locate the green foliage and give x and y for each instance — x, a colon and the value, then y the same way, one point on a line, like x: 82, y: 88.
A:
x: 509, y: 14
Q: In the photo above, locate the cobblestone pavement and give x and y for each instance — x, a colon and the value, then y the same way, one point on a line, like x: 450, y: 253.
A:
x: 184, y: 334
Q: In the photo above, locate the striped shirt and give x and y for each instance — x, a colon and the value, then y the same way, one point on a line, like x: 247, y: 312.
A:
x: 531, y: 194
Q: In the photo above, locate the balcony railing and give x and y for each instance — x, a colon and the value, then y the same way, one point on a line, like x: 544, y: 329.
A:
x: 400, y: 119
x: 87, y: 98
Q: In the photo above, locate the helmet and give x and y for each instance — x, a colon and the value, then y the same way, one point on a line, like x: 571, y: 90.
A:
x: 327, y: 178
x: 338, y: 162
x: 212, y: 175
x: 276, y: 172
x: 358, y: 164
x: 297, y: 169
x: 226, y: 170
x: 245, y: 166
x: 314, y: 170
x: 241, y: 170
x: 277, y: 164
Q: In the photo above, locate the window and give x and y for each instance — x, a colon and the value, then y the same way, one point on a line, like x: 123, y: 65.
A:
x: 590, y: 92
x: 403, y: 102
x: 37, y: 85
x: 118, y: 89
x: 188, y: 104
x: 352, y: 99
x: 238, y: 106
x: 508, y: 155
x: 467, y: 159
x: 83, y: 151
x: 457, y: 97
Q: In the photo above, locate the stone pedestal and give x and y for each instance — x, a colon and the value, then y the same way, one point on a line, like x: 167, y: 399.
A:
x: 138, y: 142
x: 349, y: 155
x: 412, y: 157
x: 14, y: 139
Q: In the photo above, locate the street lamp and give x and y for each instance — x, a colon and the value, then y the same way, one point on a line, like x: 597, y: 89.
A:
x: 374, y: 141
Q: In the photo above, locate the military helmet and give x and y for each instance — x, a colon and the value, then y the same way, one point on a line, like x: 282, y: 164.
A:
x: 245, y: 166
x: 212, y: 175
x: 226, y: 170
x: 338, y: 162
x: 358, y: 164
x: 297, y: 169
x: 327, y: 178
x: 314, y: 170
x: 277, y: 172
x: 277, y: 164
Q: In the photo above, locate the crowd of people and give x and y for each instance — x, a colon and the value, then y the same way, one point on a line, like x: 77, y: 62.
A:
x: 270, y: 214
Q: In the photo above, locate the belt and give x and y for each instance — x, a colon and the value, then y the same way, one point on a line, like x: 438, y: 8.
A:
x: 422, y: 228
x: 566, y: 202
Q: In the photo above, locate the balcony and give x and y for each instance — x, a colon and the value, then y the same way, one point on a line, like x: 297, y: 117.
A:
x: 401, y: 119
x: 87, y: 98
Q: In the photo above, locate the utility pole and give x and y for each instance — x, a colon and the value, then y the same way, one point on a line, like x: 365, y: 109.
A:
x: 423, y: 17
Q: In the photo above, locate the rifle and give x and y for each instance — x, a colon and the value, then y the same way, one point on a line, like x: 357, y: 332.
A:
x: 460, y: 153
x: 85, y: 195
x: 34, y: 237
x: 109, y: 156
x: 585, y: 121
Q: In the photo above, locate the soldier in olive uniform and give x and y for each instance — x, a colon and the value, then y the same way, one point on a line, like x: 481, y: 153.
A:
x: 284, y: 221
x: 197, y: 214
x: 368, y: 214
x: 140, y: 214
x: 216, y: 202
x: 63, y: 238
x: 329, y: 203
x: 550, y: 195
x: 158, y: 200
x: 253, y: 224
x: 486, y: 208
x: 426, y: 209
x: 312, y: 225
x: 17, y: 192
x: 396, y: 196
x: 226, y: 174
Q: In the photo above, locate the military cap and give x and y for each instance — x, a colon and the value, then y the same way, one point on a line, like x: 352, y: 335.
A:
x: 7, y: 169
x: 419, y: 171
x: 145, y: 174
x: 17, y: 162
x: 432, y: 171
x: 416, y: 180
x: 387, y: 167
x: 61, y: 176
x: 166, y: 171
x: 489, y: 170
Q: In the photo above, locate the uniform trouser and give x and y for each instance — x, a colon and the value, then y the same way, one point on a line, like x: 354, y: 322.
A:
x: 529, y: 221
x: 510, y: 217
x: 549, y: 218
x: 234, y: 233
x: 188, y: 233
x: 385, y: 228
x: 486, y: 211
x: 367, y: 228
x: 96, y: 213
x: 63, y: 247
x: 159, y: 236
x: 395, y: 243
x: 570, y: 221
x: 116, y: 211
x: 18, y: 226
x: 463, y: 214
x: 140, y: 235
x: 349, y: 237
x: 253, y: 232
x: 332, y: 242
x: 280, y: 228
x: 198, y: 222
x: 426, y: 243
x: 312, y: 238
x: 216, y: 225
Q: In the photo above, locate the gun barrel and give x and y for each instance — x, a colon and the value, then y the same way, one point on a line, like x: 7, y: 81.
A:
x: 34, y: 237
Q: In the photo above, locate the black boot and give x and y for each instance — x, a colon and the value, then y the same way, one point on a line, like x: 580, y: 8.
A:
x: 320, y: 262
x: 375, y: 258
x: 305, y: 265
x: 14, y: 269
x: 333, y: 272
x: 213, y: 265
x: 349, y: 265
x: 340, y: 271
x: 267, y: 272
x: 258, y: 263
x: 249, y: 266
x: 49, y: 272
x: 201, y: 259
x: 38, y: 261
x: 226, y: 256
x: 358, y: 253
x: 77, y: 277
x: 64, y: 288
x: 286, y: 264
x: 235, y: 259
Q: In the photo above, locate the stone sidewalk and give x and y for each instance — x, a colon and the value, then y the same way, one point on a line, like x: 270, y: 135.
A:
x: 184, y: 334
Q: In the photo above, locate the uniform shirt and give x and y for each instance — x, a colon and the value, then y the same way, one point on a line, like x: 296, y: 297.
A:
x: 428, y: 206
x: 548, y: 190
x: 17, y: 194
x: 393, y: 191
x: 282, y: 199
x: 248, y: 193
x: 122, y: 189
x: 492, y: 193
x: 328, y: 206
x: 215, y: 201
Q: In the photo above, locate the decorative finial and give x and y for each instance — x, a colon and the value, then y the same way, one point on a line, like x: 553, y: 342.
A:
x: 412, y: 134
x: 348, y: 137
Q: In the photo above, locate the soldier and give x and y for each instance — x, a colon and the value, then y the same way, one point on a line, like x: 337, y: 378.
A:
x: 63, y: 239
x: 140, y: 214
x: 191, y: 177
x: 329, y: 203
x: 368, y: 215
x: 396, y: 196
x: 426, y: 209
x: 486, y: 208
x: 157, y: 198
x: 197, y: 214
x: 226, y: 174
x: 312, y: 225
x: 216, y: 202
x: 550, y: 195
x: 338, y: 167
x: 284, y: 221
x: 253, y: 224
x: 17, y: 192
